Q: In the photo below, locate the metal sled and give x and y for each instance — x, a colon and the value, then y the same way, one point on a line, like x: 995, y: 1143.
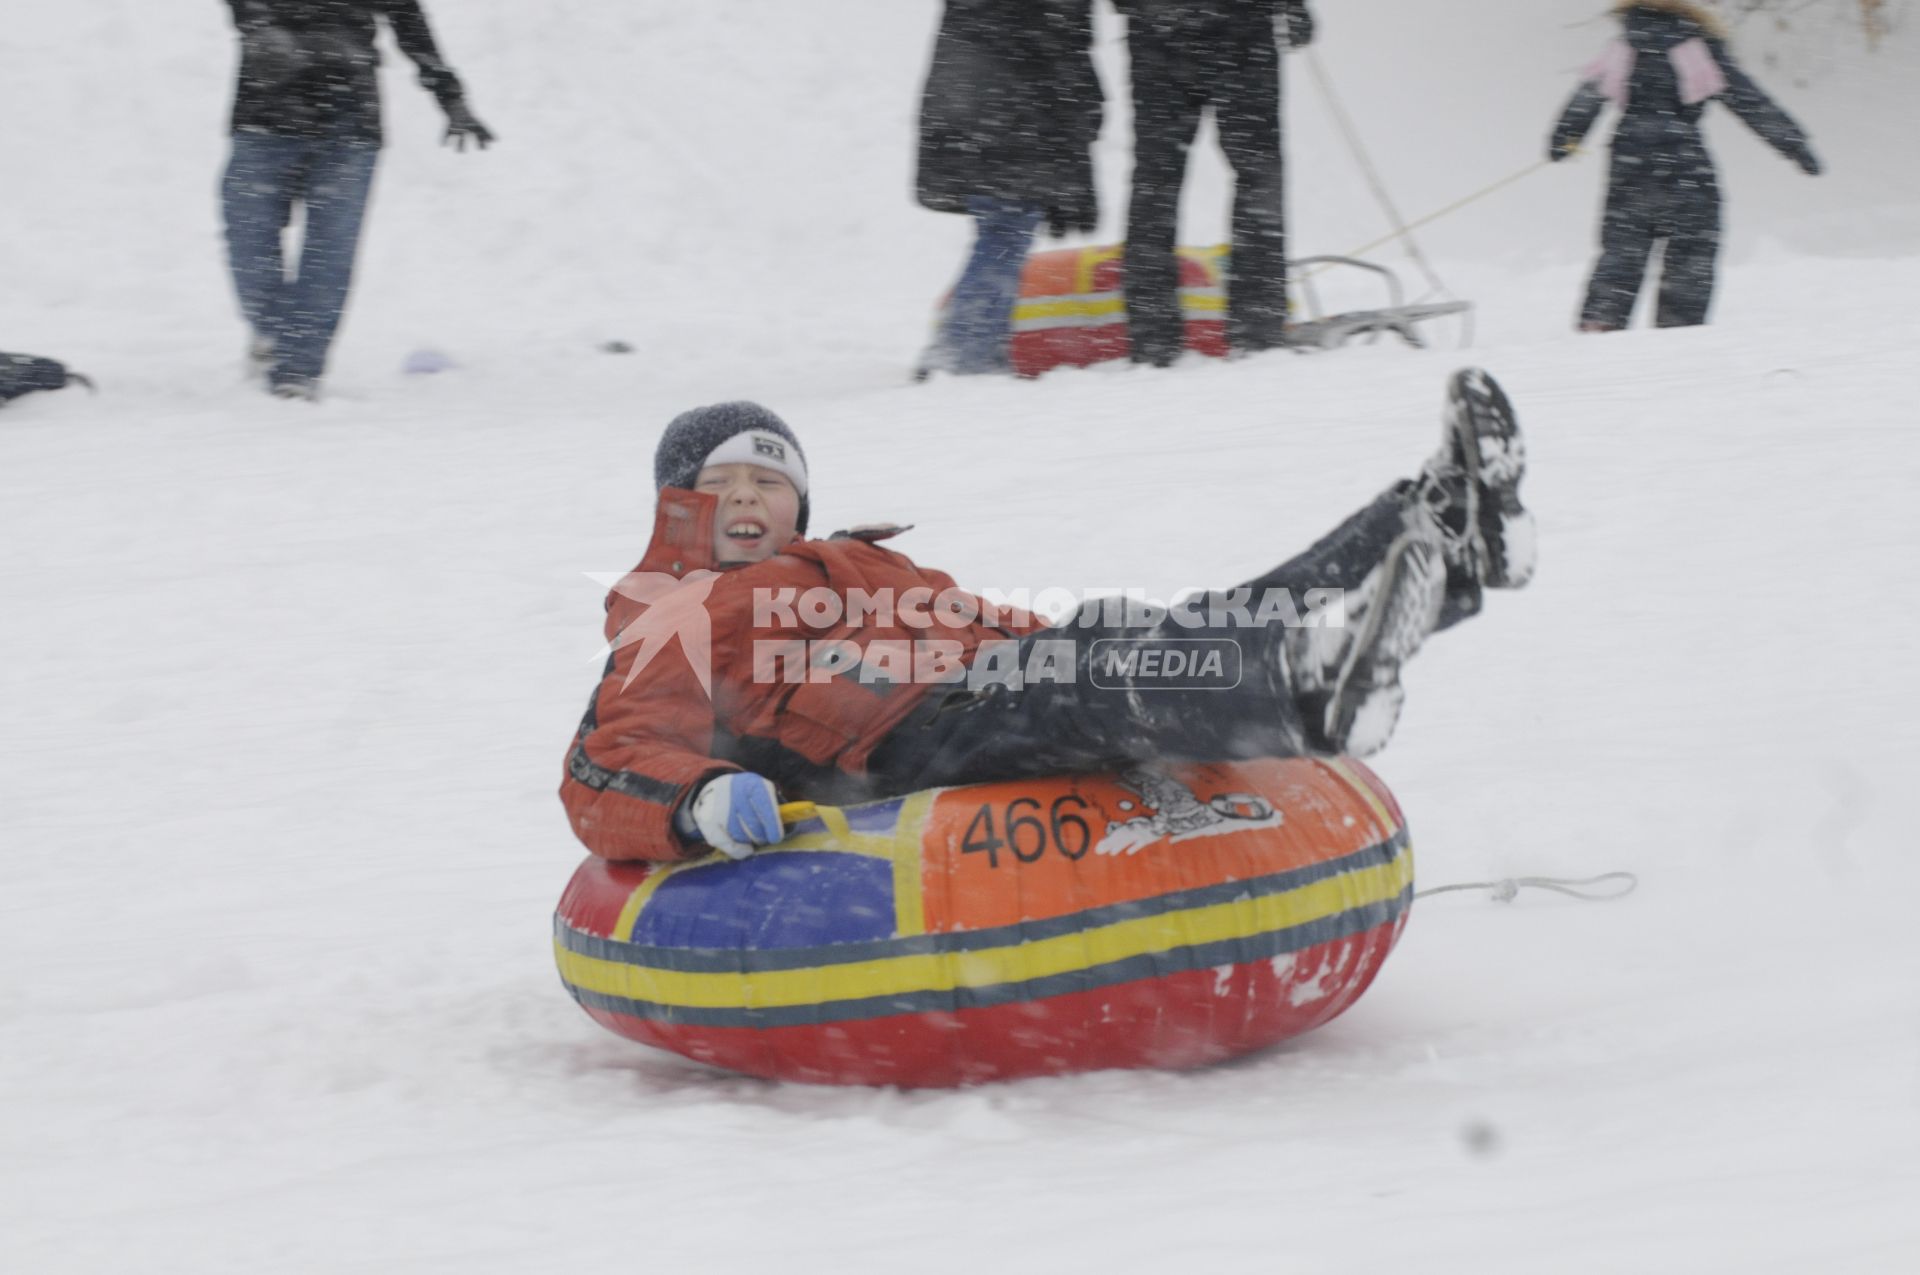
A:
x: 1071, y: 311
x: 1322, y: 331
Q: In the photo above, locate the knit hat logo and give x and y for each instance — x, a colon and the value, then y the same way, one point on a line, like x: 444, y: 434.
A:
x: 763, y: 448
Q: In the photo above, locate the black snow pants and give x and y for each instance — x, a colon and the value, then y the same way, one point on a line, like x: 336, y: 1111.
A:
x: 1673, y: 197
x: 1234, y: 67
x: 1097, y: 720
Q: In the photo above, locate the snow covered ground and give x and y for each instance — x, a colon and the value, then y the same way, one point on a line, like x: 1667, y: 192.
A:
x: 285, y: 689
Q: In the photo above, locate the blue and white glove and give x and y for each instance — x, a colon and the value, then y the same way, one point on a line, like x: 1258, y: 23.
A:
x: 734, y: 813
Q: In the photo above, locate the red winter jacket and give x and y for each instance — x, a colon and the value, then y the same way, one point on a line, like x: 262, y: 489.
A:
x: 649, y: 737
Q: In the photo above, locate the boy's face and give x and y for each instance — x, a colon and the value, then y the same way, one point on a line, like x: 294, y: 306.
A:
x: 756, y: 514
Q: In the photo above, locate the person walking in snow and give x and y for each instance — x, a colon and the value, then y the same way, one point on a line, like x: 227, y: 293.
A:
x: 306, y: 130
x: 749, y: 661
x: 1186, y: 56
x: 1008, y: 117
x: 1670, y: 60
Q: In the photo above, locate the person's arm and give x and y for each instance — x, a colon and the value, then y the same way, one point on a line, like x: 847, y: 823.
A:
x: 1085, y: 98
x: 1056, y: 66
x: 640, y: 755
x: 1761, y: 113
x: 1581, y: 110
x: 415, y: 38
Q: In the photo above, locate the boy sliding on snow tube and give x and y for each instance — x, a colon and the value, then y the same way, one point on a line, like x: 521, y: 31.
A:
x: 749, y: 661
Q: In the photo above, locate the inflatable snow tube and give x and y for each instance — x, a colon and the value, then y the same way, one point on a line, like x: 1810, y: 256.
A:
x: 1164, y: 918
x: 1072, y: 313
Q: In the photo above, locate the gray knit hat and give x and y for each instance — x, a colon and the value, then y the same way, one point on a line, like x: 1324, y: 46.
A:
x: 745, y: 432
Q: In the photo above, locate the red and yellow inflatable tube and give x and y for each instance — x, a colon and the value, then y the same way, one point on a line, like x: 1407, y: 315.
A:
x: 1072, y: 313
x: 1157, y: 918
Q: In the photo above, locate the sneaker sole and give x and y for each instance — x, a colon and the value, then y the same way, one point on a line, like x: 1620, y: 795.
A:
x: 1365, y: 706
x: 1489, y: 448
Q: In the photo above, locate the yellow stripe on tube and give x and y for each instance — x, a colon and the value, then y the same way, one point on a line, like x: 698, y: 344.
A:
x: 1018, y: 962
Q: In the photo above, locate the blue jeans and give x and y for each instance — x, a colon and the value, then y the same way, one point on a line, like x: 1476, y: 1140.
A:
x: 264, y: 177
x: 979, y: 320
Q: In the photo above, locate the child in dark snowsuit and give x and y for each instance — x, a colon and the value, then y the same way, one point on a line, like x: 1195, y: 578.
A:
x: 1670, y: 62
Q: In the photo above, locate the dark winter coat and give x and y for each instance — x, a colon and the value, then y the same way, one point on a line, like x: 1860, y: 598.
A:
x: 1011, y: 109
x: 1202, y: 17
x: 309, y: 68
x: 651, y: 735
x: 1663, y: 83
x: 1201, y: 31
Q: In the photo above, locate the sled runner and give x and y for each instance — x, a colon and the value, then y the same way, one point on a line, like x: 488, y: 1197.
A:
x: 1328, y: 332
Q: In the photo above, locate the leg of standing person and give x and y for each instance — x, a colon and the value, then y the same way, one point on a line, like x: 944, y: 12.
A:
x: 1166, y: 116
x: 1247, y: 105
x: 979, y: 323
x: 1626, y: 241
x: 1693, y: 248
x: 256, y: 197
x: 339, y: 180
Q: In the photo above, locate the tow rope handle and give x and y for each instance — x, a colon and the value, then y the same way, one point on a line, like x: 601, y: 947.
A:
x: 1601, y: 889
x: 792, y: 812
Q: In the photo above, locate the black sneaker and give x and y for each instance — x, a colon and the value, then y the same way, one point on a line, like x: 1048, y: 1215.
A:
x: 1349, y: 679
x: 1474, y: 484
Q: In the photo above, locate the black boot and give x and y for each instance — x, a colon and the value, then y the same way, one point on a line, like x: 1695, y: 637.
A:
x: 1348, y: 678
x: 1472, y: 485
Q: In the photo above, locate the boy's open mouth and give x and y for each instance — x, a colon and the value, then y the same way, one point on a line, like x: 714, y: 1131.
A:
x: 746, y: 530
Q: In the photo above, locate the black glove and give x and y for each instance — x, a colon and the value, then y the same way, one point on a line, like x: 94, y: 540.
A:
x: 1062, y: 221
x: 1074, y: 216
x: 1299, y: 25
x: 1808, y: 161
x: 462, y: 125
